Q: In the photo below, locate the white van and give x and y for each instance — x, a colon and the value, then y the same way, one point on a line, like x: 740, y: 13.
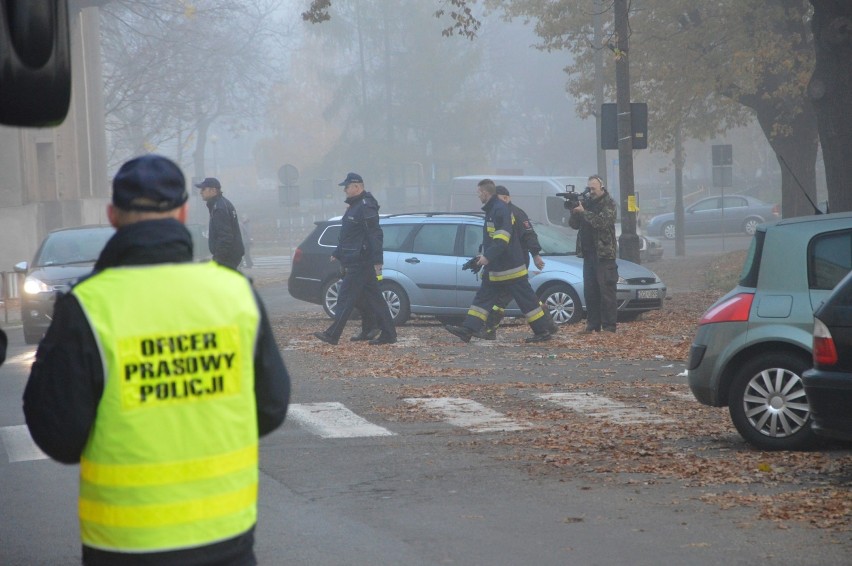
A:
x: 535, y: 195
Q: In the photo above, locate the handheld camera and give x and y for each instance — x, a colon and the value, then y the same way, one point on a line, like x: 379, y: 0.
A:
x: 573, y: 198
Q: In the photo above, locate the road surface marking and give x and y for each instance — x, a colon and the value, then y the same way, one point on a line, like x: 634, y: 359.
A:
x: 601, y: 407
x: 25, y: 359
x: 19, y: 444
x: 333, y: 420
x: 468, y: 414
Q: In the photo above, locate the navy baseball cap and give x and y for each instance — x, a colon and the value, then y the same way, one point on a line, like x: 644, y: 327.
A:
x: 209, y: 183
x: 351, y: 178
x: 149, y: 183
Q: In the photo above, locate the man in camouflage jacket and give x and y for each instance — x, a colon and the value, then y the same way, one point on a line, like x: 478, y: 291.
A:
x: 596, y: 244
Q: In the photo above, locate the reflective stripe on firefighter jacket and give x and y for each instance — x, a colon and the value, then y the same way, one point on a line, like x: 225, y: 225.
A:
x: 501, y: 245
x: 171, y: 461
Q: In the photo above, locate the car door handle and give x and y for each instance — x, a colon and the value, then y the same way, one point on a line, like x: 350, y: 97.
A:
x: 412, y: 260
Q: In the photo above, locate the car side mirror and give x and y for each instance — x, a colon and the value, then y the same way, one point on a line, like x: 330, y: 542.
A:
x: 21, y: 267
x: 35, y: 63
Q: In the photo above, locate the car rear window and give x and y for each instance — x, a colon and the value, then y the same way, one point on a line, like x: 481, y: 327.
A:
x: 395, y: 236
x: 751, y: 265
x: 829, y: 259
x: 330, y: 236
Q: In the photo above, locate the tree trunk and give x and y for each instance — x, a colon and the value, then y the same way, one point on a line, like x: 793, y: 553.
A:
x: 796, y: 154
x: 829, y: 90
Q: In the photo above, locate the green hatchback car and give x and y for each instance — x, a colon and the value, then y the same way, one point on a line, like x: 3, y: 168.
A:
x: 753, y: 345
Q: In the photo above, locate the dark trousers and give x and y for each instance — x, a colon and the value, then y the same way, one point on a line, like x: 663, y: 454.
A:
x: 600, y: 281
x: 359, y: 281
x: 490, y: 293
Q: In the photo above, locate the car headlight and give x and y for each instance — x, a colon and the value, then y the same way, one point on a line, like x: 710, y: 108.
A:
x: 33, y: 286
x: 622, y: 280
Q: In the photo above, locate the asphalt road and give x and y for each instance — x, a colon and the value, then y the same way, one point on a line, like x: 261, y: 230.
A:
x: 344, y: 483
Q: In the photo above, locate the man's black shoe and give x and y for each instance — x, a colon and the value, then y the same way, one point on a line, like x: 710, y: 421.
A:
x: 383, y: 340
x: 541, y: 337
x: 485, y: 334
x: 326, y: 338
x: 365, y: 336
x: 460, y: 331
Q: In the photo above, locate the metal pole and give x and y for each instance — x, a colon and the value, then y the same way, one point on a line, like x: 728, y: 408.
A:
x: 628, y: 242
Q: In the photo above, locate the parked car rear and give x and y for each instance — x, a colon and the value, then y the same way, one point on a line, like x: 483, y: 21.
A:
x: 828, y: 384
x: 753, y: 345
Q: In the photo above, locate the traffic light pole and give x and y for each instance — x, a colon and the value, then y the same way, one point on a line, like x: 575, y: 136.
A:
x: 628, y: 242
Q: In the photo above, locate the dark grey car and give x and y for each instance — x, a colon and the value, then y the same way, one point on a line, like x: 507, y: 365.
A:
x: 729, y: 214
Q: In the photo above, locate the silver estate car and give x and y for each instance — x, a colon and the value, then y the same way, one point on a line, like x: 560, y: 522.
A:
x: 753, y: 345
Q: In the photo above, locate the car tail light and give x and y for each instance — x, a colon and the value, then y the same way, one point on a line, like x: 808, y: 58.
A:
x: 735, y: 309
x: 825, y: 353
x: 776, y: 211
x: 297, y: 256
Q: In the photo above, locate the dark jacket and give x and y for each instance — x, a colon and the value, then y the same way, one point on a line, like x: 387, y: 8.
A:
x: 597, y: 228
x: 67, y: 379
x: 361, y: 237
x: 501, y: 244
x: 525, y: 231
x: 224, y: 237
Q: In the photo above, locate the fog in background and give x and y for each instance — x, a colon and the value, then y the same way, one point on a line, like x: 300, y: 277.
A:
x: 238, y: 94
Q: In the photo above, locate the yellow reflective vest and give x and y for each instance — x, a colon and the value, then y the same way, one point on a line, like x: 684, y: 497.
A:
x: 171, y: 461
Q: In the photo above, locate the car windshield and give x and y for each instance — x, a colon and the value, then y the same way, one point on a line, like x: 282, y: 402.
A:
x: 72, y: 246
x: 555, y: 240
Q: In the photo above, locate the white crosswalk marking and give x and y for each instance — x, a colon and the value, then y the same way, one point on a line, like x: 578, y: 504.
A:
x: 601, y: 407
x: 19, y: 444
x: 25, y: 359
x: 468, y: 414
x: 333, y: 420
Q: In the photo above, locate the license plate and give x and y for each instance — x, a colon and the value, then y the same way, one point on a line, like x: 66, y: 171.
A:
x: 648, y: 294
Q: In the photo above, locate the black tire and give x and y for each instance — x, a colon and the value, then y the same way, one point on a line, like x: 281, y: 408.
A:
x: 32, y: 336
x: 562, y: 302
x: 750, y: 225
x: 668, y: 231
x: 330, y: 292
x: 768, y: 405
x: 398, y: 303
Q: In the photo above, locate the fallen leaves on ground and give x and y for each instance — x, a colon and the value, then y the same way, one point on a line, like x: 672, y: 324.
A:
x: 696, y: 445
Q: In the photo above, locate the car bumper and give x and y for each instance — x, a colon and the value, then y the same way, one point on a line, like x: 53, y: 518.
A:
x: 634, y: 299
x: 830, y: 400
x: 712, y: 349
x: 37, y: 312
x: 305, y: 289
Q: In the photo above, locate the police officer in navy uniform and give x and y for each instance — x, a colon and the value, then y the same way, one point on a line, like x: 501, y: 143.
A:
x: 359, y: 251
x: 224, y: 236
x: 157, y: 375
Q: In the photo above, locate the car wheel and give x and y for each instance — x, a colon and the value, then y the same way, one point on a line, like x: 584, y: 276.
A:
x: 563, y: 303
x: 668, y: 231
x: 768, y: 405
x: 32, y: 336
x: 750, y: 225
x: 397, y: 301
x: 330, y: 294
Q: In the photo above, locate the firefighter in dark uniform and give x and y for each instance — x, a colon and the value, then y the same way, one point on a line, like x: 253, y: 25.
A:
x: 505, y: 269
x: 359, y: 251
x: 531, y: 247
